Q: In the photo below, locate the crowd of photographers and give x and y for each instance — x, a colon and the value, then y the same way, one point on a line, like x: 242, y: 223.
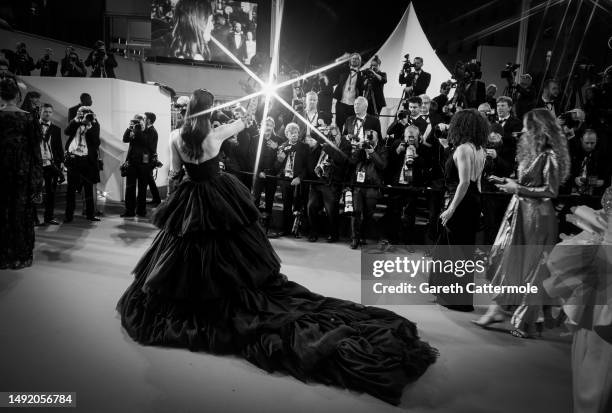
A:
x: 326, y: 165
x: 100, y: 61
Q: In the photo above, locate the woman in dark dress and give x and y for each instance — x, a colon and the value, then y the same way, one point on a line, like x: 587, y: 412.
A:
x: 211, y: 281
x: 468, y: 131
x: 21, y: 184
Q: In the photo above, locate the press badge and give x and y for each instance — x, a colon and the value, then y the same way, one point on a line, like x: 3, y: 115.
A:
x: 289, y: 173
x: 361, y: 176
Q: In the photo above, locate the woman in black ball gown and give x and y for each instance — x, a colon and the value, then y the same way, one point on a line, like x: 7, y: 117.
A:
x: 211, y: 281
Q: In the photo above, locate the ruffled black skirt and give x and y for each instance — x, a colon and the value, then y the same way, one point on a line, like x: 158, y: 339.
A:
x: 211, y: 282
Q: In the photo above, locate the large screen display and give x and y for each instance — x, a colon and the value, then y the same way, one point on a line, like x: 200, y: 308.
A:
x: 182, y: 29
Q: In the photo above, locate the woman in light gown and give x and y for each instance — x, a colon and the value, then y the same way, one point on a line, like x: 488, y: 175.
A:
x: 211, y: 281
x: 529, y: 228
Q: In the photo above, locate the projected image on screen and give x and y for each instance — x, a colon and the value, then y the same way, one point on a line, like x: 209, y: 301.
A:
x: 183, y: 28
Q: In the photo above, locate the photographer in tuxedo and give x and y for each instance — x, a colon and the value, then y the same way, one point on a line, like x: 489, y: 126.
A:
x: 81, y: 161
x: 414, y: 106
x: 350, y: 85
x: 356, y: 125
x: 84, y: 100
x: 550, y: 97
x: 416, y: 81
x: 312, y: 114
x: 330, y: 170
x: 369, y: 159
x: 20, y: 62
x: 266, y: 171
x: 150, y: 119
x: 138, y: 165
x: 52, y: 159
x: 500, y: 161
x: 374, y: 83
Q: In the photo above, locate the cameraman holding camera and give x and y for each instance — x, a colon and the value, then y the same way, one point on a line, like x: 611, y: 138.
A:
x: 150, y: 119
x: 417, y: 80
x: 138, y: 165
x: 47, y: 66
x: 81, y: 161
x: 102, y: 63
x: 374, y: 83
x: 369, y: 159
x: 330, y: 170
x: 20, y: 62
x: 72, y: 65
x: 350, y: 86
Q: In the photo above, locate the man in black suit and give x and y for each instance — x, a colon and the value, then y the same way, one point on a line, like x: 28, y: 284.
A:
x: 236, y: 42
x: 416, y: 81
x: 414, y: 106
x: 350, y: 85
x: 500, y: 162
x: 550, y: 97
x: 312, y: 114
x: 357, y: 125
x: 101, y: 61
x: 149, y: 121
x: 85, y: 100
x: 375, y: 81
x: 81, y: 161
x: 47, y: 66
x: 143, y: 145
x: 52, y: 158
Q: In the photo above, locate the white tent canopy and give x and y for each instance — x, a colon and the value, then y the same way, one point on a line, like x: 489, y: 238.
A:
x: 408, y: 37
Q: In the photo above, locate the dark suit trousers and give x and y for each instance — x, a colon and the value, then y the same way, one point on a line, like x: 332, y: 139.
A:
x: 137, y: 177
x: 153, y: 187
x: 50, y: 179
x: 364, y: 205
x: 343, y: 112
x: 77, y: 179
x: 268, y: 185
x: 328, y: 197
x: 400, y: 218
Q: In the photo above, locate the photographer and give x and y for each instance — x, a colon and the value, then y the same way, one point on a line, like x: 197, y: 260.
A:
x: 490, y: 96
x: 590, y: 170
x: 373, y: 84
x: 81, y: 161
x: 52, y: 160
x: 31, y: 104
x: 356, y: 125
x: 417, y: 80
x: 414, y: 105
x: 369, y: 159
x: 330, y: 170
x: 525, y: 96
x: 396, y: 129
x: 471, y: 91
x: 550, y: 97
x: 325, y: 93
x: 72, y: 65
x: 442, y: 100
x: 137, y: 166
x: 150, y: 119
x: 247, y: 148
x: 350, y: 85
x: 314, y: 116
x: 47, y: 66
x: 84, y: 100
x: 407, y: 168
x: 266, y: 171
x: 20, y: 62
x: 102, y: 63
x: 286, y: 164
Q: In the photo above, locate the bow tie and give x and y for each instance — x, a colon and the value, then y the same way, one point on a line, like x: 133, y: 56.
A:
x: 353, y: 70
x: 46, y: 123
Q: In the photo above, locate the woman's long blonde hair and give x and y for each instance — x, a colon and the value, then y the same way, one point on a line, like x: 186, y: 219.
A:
x: 543, y: 133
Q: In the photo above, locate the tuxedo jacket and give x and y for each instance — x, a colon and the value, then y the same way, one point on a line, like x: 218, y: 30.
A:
x: 419, y: 87
x: 143, y: 143
x: 238, y: 51
x: 342, y: 78
x: 54, y: 138
x: 370, y: 123
x: 556, y: 104
x: 73, y: 111
x: 506, y: 158
x: 327, y: 118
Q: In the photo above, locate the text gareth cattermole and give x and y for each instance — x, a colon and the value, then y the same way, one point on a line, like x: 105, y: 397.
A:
x: 412, y: 267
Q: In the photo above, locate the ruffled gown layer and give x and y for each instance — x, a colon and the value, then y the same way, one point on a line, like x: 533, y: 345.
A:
x: 211, y: 282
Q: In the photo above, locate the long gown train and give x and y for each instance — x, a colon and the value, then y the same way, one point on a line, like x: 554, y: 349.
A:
x: 211, y: 281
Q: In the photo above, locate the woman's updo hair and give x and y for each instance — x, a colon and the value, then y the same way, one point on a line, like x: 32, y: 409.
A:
x: 9, y: 89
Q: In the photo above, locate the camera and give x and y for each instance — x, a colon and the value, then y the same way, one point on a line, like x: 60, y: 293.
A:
x: 509, y: 71
x: 298, y: 105
x: 407, y: 65
x: 568, y: 120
